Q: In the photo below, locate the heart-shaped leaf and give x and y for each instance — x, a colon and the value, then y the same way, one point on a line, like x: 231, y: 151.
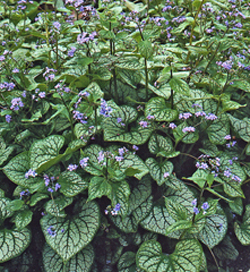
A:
x: 218, y: 130
x: 158, y: 107
x: 179, y: 85
x: 13, y: 243
x: 158, y: 221
x: 45, y: 151
x: 81, y: 262
x: 157, y: 170
x: 71, y: 183
x: 186, y: 257
x: 158, y: 143
x: 133, y: 161
x: 114, y: 131
x: 17, y: 167
x: 23, y: 218
x: 127, y: 262
x: 67, y: 236
x: 56, y: 206
x: 242, y: 230
x: 242, y: 127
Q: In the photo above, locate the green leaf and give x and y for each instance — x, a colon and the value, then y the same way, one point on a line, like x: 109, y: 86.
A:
x: 127, y: 262
x: 199, y: 177
x: 16, y: 168
x: 177, y: 210
x: 114, y: 131
x: 158, y: 221
x: 95, y: 90
x: 186, y: 257
x: 157, y: 170
x: 179, y: 225
x: 242, y: 232
x: 4, y: 152
x: 242, y: 84
x: 23, y: 218
x: 82, y: 261
x: 93, y: 167
x: 134, y: 161
x: 130, y: 64
x: 159, y: 108
x: 132, y: 78
x: 36, y: 198
x: 145, y: 49
x: 71, y: 183
x: 78, y: 230
x: 129, y: 223
x: 225, y: 250
x: 158, y: 143
x: 218, y: 130
x: 98, y: 187
x: 179, y: 86
x: 215, y: 228
x: 241, y: 127
x: 185, y: 137
x: 4, y: 212
x: 45, y: 151
x: 13, y: 243
x: 15, y: 205
x: 236, y: 206
x: 55, y: 206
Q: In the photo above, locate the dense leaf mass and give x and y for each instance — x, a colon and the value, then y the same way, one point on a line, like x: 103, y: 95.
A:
x: 124, y: 135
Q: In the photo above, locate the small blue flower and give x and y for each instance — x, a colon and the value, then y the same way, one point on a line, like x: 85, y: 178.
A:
x: 196, y: 210
x: 194, y: 202
x: 51, y: 231
x: 72, y: 167
x: 205, y: 206
x: 8, y: 118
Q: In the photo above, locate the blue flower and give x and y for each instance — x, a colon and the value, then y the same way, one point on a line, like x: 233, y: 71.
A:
x: 205, y: 206
x: 105, y: 109
x: 51, y: 231
x: 196, y: 210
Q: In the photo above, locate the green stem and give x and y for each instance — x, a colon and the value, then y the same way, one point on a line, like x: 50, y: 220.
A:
x: 193, y: 27
x: 146, y: 77
x: 172, y: 91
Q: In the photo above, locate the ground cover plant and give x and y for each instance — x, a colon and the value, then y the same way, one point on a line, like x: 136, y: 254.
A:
x: 125, y: 130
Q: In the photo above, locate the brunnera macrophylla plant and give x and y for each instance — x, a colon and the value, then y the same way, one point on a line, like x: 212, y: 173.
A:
x: 125, y: 131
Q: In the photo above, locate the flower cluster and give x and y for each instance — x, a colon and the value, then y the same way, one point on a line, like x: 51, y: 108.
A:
x: 24, y: 193
x: 114, y: 211
x: 85, y: 37
x: 50, y: 180
x: 204, y: 207
x: 30, y: 173
x: 16, y: 103
x: 105, y: 109
x: 49, y: 74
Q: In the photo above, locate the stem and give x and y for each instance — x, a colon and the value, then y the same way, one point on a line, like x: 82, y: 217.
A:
x: 172, y: 91
x: 193, y: 27
x: 146, y: 76
x: 70, y: 116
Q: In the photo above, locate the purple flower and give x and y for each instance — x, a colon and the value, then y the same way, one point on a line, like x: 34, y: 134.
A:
x: 50, y: 190
x: 172, y: 125
x: 200, y: 113
x: 116, y: 209
x: 143, y: 124
x: 196, y: 105
x: 79, y: 116
x: 30, y: 173
x: 105, y: 109
x: 149, y: 117
x: 196, y: 210
x: 51, y: 231
x: 203, y: 166
x: 227, y: 137
x: 188, y: 129
x: 41, y: 94
x: 72, y: 167
x: 205, y: 206
x: 119, y: 120
x: 211, y: 117
x: 8, y: 118
x: 71, y: 52
x: 15, y: 71
x: 16, y: 103
x: 119, y: 158
x: 236, y: 178
x: 57, y: 25
x: 166, y: 174
x: 84, y: 162
x: 57, y: 187
x: 101, y: 156
x: 194, y: 202
x: 46, y: 180
x: 185, y: 115
x: 227, y: 173
x: 24, y: 193
x: 2, y: 58
x: 136, y: 148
